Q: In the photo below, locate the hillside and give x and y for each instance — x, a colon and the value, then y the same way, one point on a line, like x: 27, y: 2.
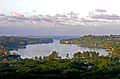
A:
x: 110, y: 43
x: 10, y: 43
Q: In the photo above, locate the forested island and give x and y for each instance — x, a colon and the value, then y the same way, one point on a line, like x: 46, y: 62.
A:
x: 110, y: 43
x: 10, y: 43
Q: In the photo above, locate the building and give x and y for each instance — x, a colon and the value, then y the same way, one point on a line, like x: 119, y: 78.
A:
x: 57, y: 58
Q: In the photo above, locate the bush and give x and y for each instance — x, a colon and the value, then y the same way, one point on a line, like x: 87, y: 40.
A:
x: 70, y: 71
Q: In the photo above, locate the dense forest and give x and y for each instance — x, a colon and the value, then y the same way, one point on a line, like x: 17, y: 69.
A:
x: 10, y: 43
x: 110, y: 43
x: 85, y: 65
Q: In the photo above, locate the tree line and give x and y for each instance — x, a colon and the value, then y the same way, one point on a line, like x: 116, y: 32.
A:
x: 85, y: 65
x: 110, y: 43
x: 10, y: 43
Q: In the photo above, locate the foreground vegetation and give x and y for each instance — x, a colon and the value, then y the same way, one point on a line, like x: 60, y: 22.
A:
x: 10, y: 43
x: 86, y: 65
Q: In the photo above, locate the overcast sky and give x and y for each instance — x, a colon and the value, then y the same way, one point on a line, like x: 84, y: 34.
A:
x: 59, y: 17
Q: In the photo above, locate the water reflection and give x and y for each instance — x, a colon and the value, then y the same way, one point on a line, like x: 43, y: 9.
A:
x: 45, y: 49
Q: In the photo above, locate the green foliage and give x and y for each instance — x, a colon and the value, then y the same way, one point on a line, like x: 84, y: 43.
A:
x: 10, y: 43
x: 52, y: 55
x: 110, y: 43
x: 61, y: 68
x: 70, y: 71
x: 84, y: 65
x: 118, y: 76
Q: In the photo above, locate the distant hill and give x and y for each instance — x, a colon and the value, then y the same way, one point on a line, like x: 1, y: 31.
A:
x: 10, y: 43
x: 53, y: 37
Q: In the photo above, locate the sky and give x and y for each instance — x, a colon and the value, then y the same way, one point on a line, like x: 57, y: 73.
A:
x: 59, y: 17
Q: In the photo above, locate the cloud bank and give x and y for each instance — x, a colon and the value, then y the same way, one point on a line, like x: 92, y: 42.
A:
x: 104, y: 16
x: 98, y: 22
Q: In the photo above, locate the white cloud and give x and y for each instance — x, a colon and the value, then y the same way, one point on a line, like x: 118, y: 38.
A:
x: 100, y: 10
x: 104, y: 16
x: 17, y: 19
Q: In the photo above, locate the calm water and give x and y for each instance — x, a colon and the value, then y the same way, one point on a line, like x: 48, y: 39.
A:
x: 45, y: 49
